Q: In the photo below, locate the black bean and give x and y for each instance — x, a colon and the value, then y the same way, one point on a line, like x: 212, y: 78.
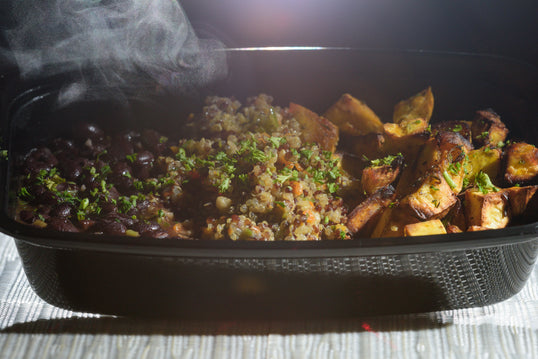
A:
x: 27, y: 216
x: 40, y: 159
x: 111, y: 227
x: 86, y: 224
x: 121, y: 147
x: 62, y: 210
x: 84, y: 131
x: 72, y: 168
x: 146, y: 227
x: 62, y: 225
x: 122, y: 176
x: 153, y: 141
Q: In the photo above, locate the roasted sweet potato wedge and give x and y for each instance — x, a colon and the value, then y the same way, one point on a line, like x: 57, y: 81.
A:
x: 521, y: 163
x: 433, y: 226
x: 523, y: 200
x: 381, y: 173
x: 365, y: 215
x: 315, y: 129
x: 487, y: 210
x: 417, y: 106
x: 488, y: 129
x: 353, y: 117
x: 484, y: 159
x: 433, y: 198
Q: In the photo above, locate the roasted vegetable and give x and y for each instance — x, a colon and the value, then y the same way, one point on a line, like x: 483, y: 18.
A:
x: 461, y: 127
x: 353, y: 117
x: 433, y: 226
x: 521, y: 163
x: 523, y: 200
x: 486, y: 160
x: 315, y: 129
x: 365, y: 214
x: 487, y: 211
x: 415, y: 107
x: 382, y: 172
x: 488, y: 129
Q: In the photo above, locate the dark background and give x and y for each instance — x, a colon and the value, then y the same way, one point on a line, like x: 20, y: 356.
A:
x: 507, y: 28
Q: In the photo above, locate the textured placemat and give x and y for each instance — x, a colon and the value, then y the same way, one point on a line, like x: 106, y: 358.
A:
x: 31, y: 328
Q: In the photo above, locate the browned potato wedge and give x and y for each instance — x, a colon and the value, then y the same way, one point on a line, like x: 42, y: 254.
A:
x: 484, y: 159
x: 315, y: 129
x: 521, y: 163
x: 382, y: 173
x: 461, y: 127
x: 453, y: 148
x: 406, y: 137
x: 417, y: 106
x: 456, y: 216
x: 369, y: 146
x: 433, y: 198
x: 488, y: 211
x: 353, y: 117
x: 433, y: 226
x: 523, y: 200
x: 453, y: 229
x: 365, y: 215
x: 488, y: 129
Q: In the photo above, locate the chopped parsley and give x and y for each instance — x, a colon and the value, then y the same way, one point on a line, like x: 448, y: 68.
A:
x: 386, y: 161
x: 484, y: 184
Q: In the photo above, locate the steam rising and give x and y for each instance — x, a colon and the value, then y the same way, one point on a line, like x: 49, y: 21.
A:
x: 126, y: 42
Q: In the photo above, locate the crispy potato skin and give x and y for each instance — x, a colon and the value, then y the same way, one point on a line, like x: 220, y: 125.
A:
x: 353, y: 117
x: 370, y: 146
x: 521, y: 163
x: 366, y: 213
x: 488, y: 211
x: 433, y: 226
x: 488, y: 129
x: 523, y: 200
x: 316, y: 129
x: 417, y: 106
x: 376, y: 177
x: 461, y: 127
x: 433, y: 198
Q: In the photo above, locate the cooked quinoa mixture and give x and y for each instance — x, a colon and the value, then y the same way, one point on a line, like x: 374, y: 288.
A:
x: 244, y: 172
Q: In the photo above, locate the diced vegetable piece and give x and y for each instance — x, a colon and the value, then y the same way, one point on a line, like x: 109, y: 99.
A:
x: 315, y: 129
x: 369, y: 146
x: 453, y: 148
x: 488, y: 129
x: 417, y: 106
x: 453, y: 229
x: 378, y: 176
x: 353, y: 117
x: 523, y: 200
x: 433, y: 198
x: 461, y: 127
x: 406, y: 137
x: 485, y: 159
x: 433, y: 226
x: 364, y: 216
x: 456, y: 216
x: 488, y: 210
x: 521, y: 163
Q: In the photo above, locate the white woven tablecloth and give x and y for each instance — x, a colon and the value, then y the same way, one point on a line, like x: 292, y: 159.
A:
x: 31, y: 328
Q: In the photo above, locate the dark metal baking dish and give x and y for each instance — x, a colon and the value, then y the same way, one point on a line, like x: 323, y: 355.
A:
x: 221, y: 279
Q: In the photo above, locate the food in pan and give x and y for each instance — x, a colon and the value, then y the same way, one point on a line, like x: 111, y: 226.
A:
x: 267, y: 173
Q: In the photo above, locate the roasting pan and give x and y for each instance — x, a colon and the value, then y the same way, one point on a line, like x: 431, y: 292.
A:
x: 242, y: 279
